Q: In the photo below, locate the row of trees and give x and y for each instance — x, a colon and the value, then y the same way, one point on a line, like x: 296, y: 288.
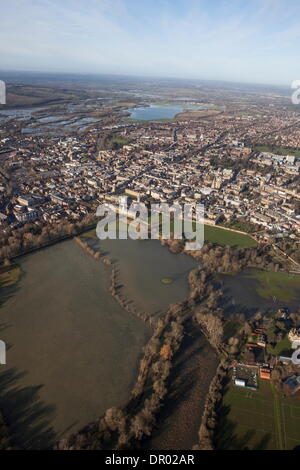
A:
x: 209, y: 316
x: 124, y: 428
x: 14, y: 242
x: 291, y: 248
x: 222, y: 259
x: 213, y: 399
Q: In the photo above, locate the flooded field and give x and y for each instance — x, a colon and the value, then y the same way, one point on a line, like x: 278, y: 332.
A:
x: 143, y: 266
x: 44, y: 125
x: 54, y: 119
x: 72, y: 351
x: 251, y: 291
x: 22, y: 114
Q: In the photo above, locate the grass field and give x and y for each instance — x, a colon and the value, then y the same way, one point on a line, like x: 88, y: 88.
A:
x: 277, y: 150
x: 261, y: 420
x: 275, y: 284
x: 281, y: 349
x: 226, y: 237
x: 119, y: 140
x: 290, y: 409
x: 221, y: 236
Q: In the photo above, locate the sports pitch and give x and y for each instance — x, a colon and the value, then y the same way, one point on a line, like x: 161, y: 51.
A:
x: 258, y: 420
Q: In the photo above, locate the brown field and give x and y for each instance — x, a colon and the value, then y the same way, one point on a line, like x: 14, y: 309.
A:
x: 197, y: 114
x: 25, y: 95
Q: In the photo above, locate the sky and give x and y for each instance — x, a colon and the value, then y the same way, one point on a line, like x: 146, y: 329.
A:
x: 253, y: 41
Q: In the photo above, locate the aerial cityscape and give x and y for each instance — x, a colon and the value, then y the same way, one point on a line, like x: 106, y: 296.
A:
x: 126, y: 343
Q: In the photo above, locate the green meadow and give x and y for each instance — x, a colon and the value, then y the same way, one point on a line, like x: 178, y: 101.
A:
x: 224, y: 237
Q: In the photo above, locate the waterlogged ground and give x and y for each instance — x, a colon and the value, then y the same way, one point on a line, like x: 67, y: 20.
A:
x: 251, y: 291
x: 72, y: 351
x: 149, y: 273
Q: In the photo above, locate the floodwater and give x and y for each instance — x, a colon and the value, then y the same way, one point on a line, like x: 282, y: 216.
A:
x: 25, y: 113
x: 73, y: 351
x: 241, y: 296
x: 58, y: 124
x: 143, y: 264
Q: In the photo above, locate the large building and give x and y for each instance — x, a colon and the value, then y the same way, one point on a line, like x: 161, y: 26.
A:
x: 294, y: 337
x: 265, y: 373
x: 292, y: 384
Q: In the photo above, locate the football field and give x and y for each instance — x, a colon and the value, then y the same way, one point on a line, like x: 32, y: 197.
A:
x: 260, y: 419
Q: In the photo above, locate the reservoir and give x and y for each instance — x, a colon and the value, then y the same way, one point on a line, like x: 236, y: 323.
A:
x: 158, y: 111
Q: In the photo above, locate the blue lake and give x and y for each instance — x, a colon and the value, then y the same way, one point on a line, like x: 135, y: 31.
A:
x: 156, y: 111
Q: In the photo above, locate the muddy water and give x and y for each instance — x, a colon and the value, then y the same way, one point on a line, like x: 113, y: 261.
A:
x: 240, y: 296
x: 143, y: 265
x: 72, y: 351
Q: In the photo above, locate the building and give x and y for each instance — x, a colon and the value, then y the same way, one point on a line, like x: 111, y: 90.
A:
x: 292, y: 384
x: 240, y: 383
x: 26, y: 201
x: 294, y: 337
x: 3, y: 217
x: 57, y: 198
x: 135, y: 194
x: 285, y: 360
x: 265, y: 373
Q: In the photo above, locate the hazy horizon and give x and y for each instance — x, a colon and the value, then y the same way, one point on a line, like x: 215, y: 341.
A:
x: 29, y: 74
x: 228, y: 41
